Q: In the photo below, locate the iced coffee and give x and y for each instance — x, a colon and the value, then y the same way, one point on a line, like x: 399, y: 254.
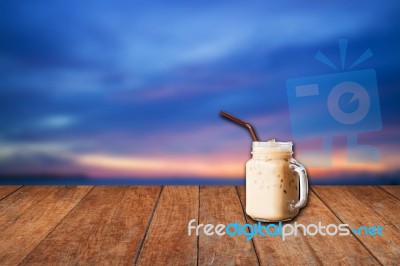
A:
x: 276, y: 185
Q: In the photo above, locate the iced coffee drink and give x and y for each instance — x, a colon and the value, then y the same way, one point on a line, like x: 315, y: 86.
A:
x: 276, y: 185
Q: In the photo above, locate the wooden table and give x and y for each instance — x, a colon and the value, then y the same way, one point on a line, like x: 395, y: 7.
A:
x: 149, y: 226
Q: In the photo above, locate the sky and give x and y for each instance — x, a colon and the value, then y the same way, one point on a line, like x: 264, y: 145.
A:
x: 133, y: 89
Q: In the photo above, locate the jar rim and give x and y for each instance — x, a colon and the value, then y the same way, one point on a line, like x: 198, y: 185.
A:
x: 272, y: 145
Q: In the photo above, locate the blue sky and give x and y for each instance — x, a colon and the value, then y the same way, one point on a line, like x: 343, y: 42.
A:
x: 131, y: 88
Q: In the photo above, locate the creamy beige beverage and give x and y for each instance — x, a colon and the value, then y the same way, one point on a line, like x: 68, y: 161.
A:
x: 273, y: 182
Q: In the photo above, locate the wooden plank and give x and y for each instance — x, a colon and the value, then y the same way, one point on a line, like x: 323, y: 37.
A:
x: 7, y: 190
x: 392, y: 190
x: 377, y: 200
x: 106, y: 228
x: 367, y: 206
x: 167, y: 241
x: 311, y: 250
x: 28, y: 215
x: 221, y: 205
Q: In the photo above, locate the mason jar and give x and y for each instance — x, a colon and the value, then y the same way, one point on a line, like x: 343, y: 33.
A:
x: 276, y: 184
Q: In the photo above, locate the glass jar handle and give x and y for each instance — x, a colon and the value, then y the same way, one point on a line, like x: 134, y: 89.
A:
x: 301, y: 171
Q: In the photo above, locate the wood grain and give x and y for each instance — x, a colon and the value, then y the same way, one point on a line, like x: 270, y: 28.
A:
x: 392, y: 190
x: 367, y: 206
x: 167, y: 241
x: 149, y: 226
x: 311, y: 250
x: 7, y: 190
x: 221, y: 205
x: 106, y: 228
x: 28, y: 215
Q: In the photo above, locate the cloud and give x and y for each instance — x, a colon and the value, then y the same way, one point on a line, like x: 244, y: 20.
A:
x: 37, y: 162
x: 56, y: 121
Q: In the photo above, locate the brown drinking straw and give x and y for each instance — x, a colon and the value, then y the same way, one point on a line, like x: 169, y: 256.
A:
x: 240, y: 122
